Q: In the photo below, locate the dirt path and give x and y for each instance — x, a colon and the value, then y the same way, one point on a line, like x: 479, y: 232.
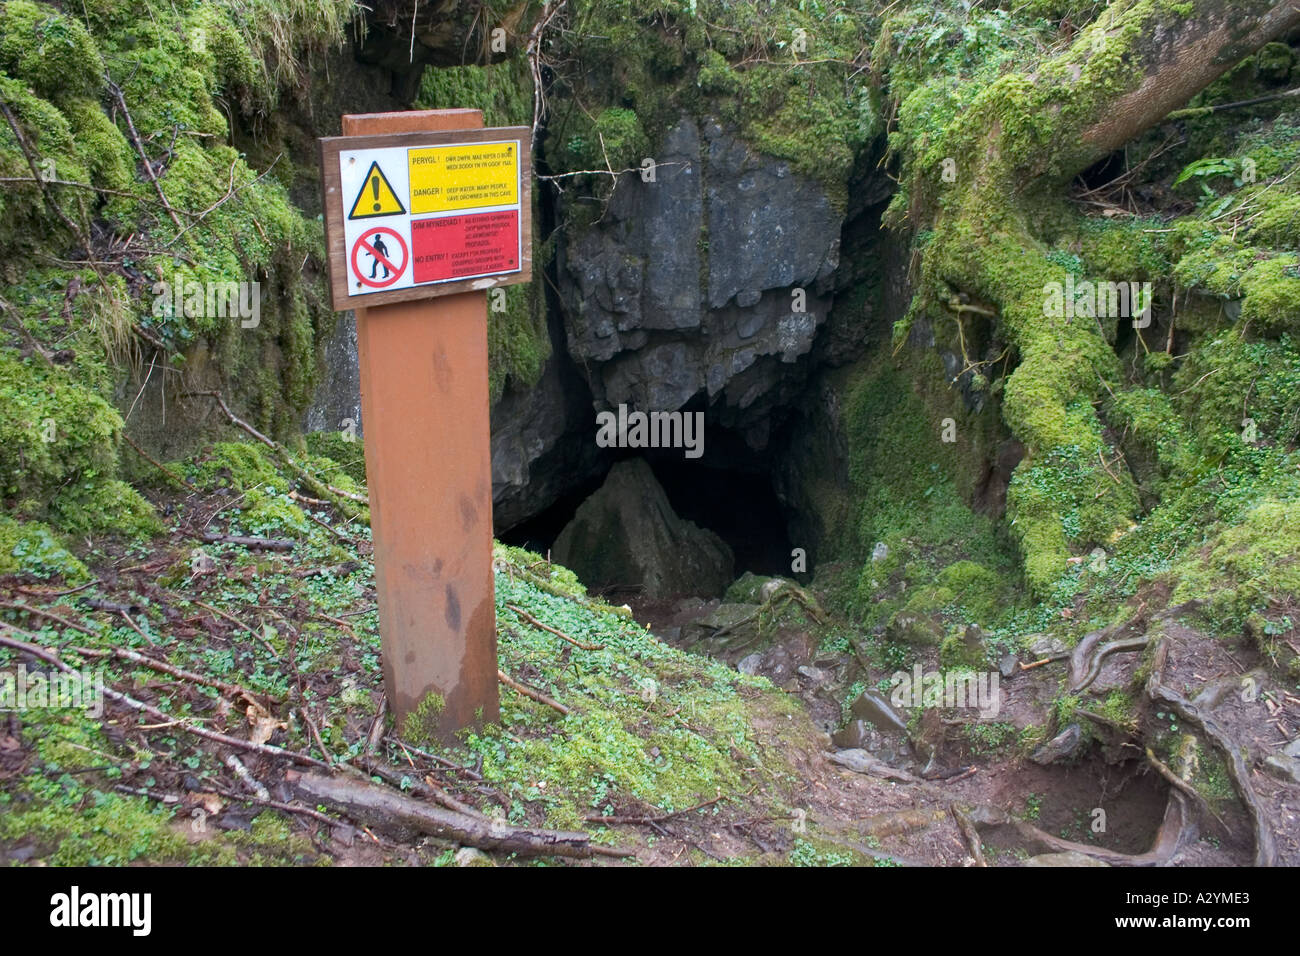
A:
x: 1107, y: 800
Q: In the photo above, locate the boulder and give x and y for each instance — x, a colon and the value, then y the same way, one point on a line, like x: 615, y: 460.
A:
x: 919, y: 630
x: 1061, y: 747
x: 628, y: 534
x: 873, y: 707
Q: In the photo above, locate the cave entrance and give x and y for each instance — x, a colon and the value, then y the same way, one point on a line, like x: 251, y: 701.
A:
x: 737, y: 502
x: 738, y: 505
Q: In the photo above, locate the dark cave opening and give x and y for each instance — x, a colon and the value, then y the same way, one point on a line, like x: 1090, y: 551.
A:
x: 737, y: 502
x: 739, y: 505
x: 1103, y: 172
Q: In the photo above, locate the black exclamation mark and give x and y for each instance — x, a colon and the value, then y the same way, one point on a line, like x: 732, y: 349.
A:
x: 374, y: 189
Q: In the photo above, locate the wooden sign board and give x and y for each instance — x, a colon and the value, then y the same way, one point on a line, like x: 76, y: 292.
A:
x: 415, y: 215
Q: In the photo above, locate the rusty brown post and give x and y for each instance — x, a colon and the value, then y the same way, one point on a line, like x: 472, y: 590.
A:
x: 424, y: 402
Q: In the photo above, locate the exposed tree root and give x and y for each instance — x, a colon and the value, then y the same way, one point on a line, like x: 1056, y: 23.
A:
x: 900, y: 821
x: 1095, y: 658
x: 859, y: 761
x: 1176, y: 831
x: 398, y: 814
x: 1265, y: 848
x: 970, y: 834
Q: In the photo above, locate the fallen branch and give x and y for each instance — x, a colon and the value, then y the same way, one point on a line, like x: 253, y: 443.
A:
x: 177, y: 479
x: 236, y: 621
x: 553, y: 630
x: 971, y: 835
x: 426, y: 787
x: 449, y: 764
x: 394, y: 812
x: 116, y: 92
x: 259, y: 544
x: 232, y: 690
x: 652, y: 820
x: 1196, y: 111
x: 316, y: 483
x: 49, y: 615
x: 246, y: 778
x: 30, y: 156
x: 266, y: 750
x: 531, y: 694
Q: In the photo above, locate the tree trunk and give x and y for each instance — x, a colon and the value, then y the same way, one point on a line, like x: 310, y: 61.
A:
x: 1020, y: 142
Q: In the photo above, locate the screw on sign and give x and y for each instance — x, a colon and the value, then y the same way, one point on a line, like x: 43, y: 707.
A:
x: 380, y: 245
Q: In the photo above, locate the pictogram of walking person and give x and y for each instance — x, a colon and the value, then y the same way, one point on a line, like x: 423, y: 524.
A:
x: 378, y: 249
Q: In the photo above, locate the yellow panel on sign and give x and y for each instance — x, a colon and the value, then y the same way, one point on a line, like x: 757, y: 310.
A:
x: 446, y: 178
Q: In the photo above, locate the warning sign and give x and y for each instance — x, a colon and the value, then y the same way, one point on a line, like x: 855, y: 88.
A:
x: 447, y: 178
x: 376, y: 197
x: 385, y: 250
x: 450, y: 246
x: 454, y: 210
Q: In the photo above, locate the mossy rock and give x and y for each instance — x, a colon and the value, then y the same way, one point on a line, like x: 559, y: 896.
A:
x: 915, y: 629
x: 30, y: 547
x: 963, y: 648
x: 751, y: 588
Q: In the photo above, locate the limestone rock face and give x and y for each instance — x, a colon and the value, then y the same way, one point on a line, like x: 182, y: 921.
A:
x: 687, y: 285
x: 628, y: 534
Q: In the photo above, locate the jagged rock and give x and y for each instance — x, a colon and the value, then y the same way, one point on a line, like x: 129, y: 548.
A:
x: 1293, y: 748
x: 1008, y: 664
x: 873, y: 706
x: 892, y: 748
x: 656, y: 318
x: 628, y: 534
x: 1061, y: 747
x: 540, y: 447
x: 732, y: 616
x: 1041, y: 645
x: 965, y: 650
x: 1283, y: 767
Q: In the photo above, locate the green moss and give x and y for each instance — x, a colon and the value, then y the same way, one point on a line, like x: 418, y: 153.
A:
x: 975, y: 587
x: 105, y: 506
x: 238, y: 466
x: 1247, y: 566
x: 421, y: 724
x: 956, y: 653
x: 32, y: 548
x: 345, y: 448
x: 51, y: 51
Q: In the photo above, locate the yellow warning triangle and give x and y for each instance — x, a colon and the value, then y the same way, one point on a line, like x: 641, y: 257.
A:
x: 376, y: 197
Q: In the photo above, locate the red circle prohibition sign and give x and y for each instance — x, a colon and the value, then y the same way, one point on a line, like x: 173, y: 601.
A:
x: 394, y: 270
